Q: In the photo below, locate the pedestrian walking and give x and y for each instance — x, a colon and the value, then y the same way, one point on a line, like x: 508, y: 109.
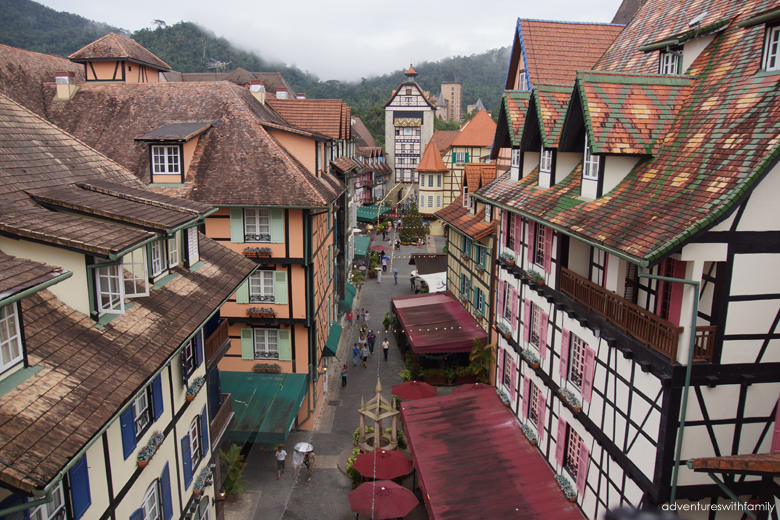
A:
x: 349, y: 318
x: 371, y: 340
x: 355, y: 352
x: 395, y: 275
x: 360, y: 315
x: 345, y: 371
x: 379, y: 276
x: 429, y: 239
x: 384, y: 263
x: 365, y: 317
x: 412, y: 280
x: 385, y: 349
x: 310, y: 461
x: 297, y: 461
x: 364, y: 355
x: 280, y: 456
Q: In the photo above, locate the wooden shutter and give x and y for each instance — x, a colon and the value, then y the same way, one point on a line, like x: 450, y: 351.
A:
x: 199, y: 348
x: 544, y: 319
x: 530, y: 242
x: 675, y: 303
x: 467, y: 157
x: 560, y: 443
x: 242, y: 293
x: 500, y: 368
x: 512, y: 378
x: 515, y: 300
x: 548, y: 245
x: 165, y: 493
x: 280, y: 287
x: 277, y: 225
x: 776, y: 437
x: 138, y: 514
x: 80, y: 496
x: 526, y: 395
x: 563, y: 368
x: 527, y: 321
x: 127, y: 423
x: 237, y: 225
x: 541, y: 409
x: 504, y: 226
x: 283, y: 343
x: 500, y: 300
x: 582, y: 468
x: 193, y: 251
x: 157, y: 397
x: 247, y: 344
x: 186, y: 460
x: 204, y: 431
x: 588, y: 372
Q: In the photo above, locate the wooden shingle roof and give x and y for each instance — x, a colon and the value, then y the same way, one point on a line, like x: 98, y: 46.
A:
x: 115, y: 46
x: 20, y: 274
x: 329, y: 117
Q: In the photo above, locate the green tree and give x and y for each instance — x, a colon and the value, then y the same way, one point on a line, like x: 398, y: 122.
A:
x: 412, y: 226
x: 441, y: 124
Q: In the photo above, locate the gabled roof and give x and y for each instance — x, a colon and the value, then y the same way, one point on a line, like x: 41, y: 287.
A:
x: 458, y: 217
x: 478, y: 131
x: 477, y: 175
x: 329, y: 117
x: 424, y: 94
x: 19, y: 274
x: 626, y: 11
x: 546, y: 110
x: 443, y: 139
x: 237, y: 162
x: 179, y: 132
x: 117, y: 47
x: 431, y: 160
x: 359, y: 128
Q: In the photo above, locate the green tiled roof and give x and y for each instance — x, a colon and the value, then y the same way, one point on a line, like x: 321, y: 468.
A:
x: 550, y: 102
x: 515, y: 105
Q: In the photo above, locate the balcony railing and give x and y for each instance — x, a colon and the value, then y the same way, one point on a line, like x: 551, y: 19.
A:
x: 705, y: 343
x: 657, y: 333
x: 215, y: 341
x: 222, y: 418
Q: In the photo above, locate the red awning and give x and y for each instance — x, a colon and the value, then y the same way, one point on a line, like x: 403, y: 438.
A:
x: 436, y: 323
x: 499, y: 474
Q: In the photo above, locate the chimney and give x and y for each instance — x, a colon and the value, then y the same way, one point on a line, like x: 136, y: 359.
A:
x: 281, y: 93
x: 66, y: 85
x: 301, y: 96
x: 257, y: 89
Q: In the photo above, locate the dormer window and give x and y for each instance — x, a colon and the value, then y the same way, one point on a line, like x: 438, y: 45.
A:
x: 166, y: 159
x: 772, y: 49
x: 516, y: 157
x: 590, y: 165
x: 671, y: 61
x: 466, y: 198
x: 545, y: 160
x: 10, y: 337
x: 110, y: 290
x: 522, y: 81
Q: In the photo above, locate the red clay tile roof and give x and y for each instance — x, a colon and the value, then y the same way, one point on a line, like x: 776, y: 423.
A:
x: 554, y: 51
x: 89, y: 374
x: 23, y: 72
x: 367, y: 140
x: 478, y: 131
x: 323, y: 116
x: 755, y: 463
x: 19, y: 274
x: 431, y: 160
x: 479, y: 174
x: 458, y: 217
x: 410, y: 71
x: 236, y: 162
x: 551, y: 102
x: 516, y: 105
x: 443, y: 139
x: 114, y: 45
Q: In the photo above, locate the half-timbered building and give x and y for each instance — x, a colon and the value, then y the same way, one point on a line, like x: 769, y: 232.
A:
x: 636, y: 298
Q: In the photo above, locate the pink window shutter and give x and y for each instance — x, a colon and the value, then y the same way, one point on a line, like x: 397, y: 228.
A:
x: 675, y: 304
x: 527, y: 319
x: 548, y: 245
x: 587, y: 376
x: 500, y: 367
x: 582, y: 468
x: 526, y: 395
x: 560, y: 443
x: 515, y: 299
x: 512, y: 378
x: 563, y: 368
x: 542, y: 408
x: 543, y: 321
x: 504, y: 226
x: 776, y: 437
x: 500, y: 302
x: 530, y: 243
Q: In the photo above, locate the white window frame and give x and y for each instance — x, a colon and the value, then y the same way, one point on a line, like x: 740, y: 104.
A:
x: 523, y: 81
x: 53, y: 508
x: 438, y: 201
x: 576, y: 360
x: 10, y: 337
x: 422, y: 201
x: 538, y: 244
x: 466, y: 198
x: 533, y: 405
x: 204, y: 512
x: 590, y: 164
x: 193, y: 249
x: 142, y: 413
x: 772, y: 49
x: 438, y: 181
x: 488, y: 212
x: 135, y: 273
x: 157, y: 249
x: 109, y: 283
x: 430, y: 201
x: 166, y: 159
x: 545, y: 160
x: 508, y: 305
x: 265, y: 335
x: 669, y: 64
x: 572, y: 459
x: 190, y: 361
x: 515, y: 157
x: 507, y: 374
x: 257, y: 224
x: 460, y: 157
x: 195, y: 448
x: 430, y: 181
x: 536, y: 325
x: 260, y: 289
x: 174, y: 256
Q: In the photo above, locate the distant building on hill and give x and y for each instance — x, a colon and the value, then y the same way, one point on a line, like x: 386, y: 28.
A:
x: 452, y: 92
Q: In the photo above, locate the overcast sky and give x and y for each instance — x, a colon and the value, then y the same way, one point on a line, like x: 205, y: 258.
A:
x: 347, y: 39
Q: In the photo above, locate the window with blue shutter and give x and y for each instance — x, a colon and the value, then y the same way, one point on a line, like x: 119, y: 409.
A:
x: 199, y: 348
x: 127, y: 421
x: 157, y: 397
x: 204, y: 432
x: 80, y: 495
x: 165, y: 493
x: 186, y: 460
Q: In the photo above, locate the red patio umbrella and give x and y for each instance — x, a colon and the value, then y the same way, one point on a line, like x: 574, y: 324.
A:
x: 380, y: 247
x: 383, y: 464
x: 382, y: 499
x: 412, y: 390
x: 472, y: 388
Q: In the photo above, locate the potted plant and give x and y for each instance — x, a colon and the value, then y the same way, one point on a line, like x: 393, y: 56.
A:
x: 405, y: 374
x: 535, y: 277
x: 465, y: 375
x: 232, y: 466
x: 434, y: 376
x: 195, y: 387
x: 450, y: 374
x: 144, y: 455
x: 504, y: 330
x: 481, y: 358
x: 261, y: 312
x: 529, y: 434
x: 508, y: 258
x: 387, y: 321
x: 504, y: 398
x: 566, y: 487
x: 531, y: 357
x: 203, y: 480
x: 262, y: 368
x: 156, y: 440
x: 571, y: 399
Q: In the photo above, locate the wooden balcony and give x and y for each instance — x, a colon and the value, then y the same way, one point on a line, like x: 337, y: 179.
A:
x: 216, y: 341
x: 221, y: 420
x: 704, y: 344
x: 656, y: 332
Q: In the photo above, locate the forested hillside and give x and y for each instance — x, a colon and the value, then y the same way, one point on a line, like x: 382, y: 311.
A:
x: 187, y: 47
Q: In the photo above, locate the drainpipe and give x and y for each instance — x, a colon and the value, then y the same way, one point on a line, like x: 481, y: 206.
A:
x: 688, y: 370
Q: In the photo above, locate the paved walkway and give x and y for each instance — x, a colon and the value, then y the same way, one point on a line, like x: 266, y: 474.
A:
x: 325, y: 497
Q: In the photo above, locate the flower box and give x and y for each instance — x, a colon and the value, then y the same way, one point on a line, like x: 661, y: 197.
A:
x: 568, y: 397
x: 435, y: 380
x: 261, y: 312
x: 195, y: 387
x: 257, y: 252
x: 265, y: 368
x: 566, y: 487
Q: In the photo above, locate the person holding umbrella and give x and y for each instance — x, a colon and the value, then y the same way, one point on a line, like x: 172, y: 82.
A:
x: 395, y: 275
x: 384, y: 263
x: 310, y: 461
x: 301, y: 449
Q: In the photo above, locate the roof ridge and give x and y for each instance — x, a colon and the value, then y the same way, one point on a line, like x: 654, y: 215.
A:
x: 569, y: 22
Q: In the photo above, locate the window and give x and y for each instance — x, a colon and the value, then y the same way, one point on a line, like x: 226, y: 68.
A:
x: 516, y: 157
x: 422, y: 181
x: 53, y: 510
x: 422, y: 201
x: 430, y: 201
x: 522, y: 83
x: 430, y: 181
x: 110, y: 297
x: 772, y: 49
x: 189, y: 362
x: 142, y: 413
x: 257, y: 225
x: 10, y: 338
x: 508, y: 305
x: 480, y: 301
x: 157, y: 257
x: 577, y: 360
x: 460, y: 158
x: 165, y: 159
x: 151, y: 505
x: 466, y: 200
x: 266, y: 343
x: 408, y: 91
x: 194, y: 435
x: 670, y: 62
x: 507, y: 370
x: 203, y: 511
x: 261, y: 287
x: 545, y: 162
x: 533, y: 407
x: 193, y: 249
x: 438, y: 181
x: 536, y: 324
x: 541, y: 232
x: 438, y: 201
x: 590, y: 166
x: 488, y: 212
x: 510, y: 231
x: 173, y: 251
x: 481, y: 251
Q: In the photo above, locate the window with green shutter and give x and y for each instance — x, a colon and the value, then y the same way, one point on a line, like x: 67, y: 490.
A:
x: 280, y: 287
x: 247, y: 344
x: 285, y: 349
x: 242, y: 293
x: 277, y: 226
x: 237, y: 225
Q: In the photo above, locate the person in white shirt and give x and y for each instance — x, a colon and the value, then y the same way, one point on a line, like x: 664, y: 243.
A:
x: 281, y: 455
x: 297, y: 461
